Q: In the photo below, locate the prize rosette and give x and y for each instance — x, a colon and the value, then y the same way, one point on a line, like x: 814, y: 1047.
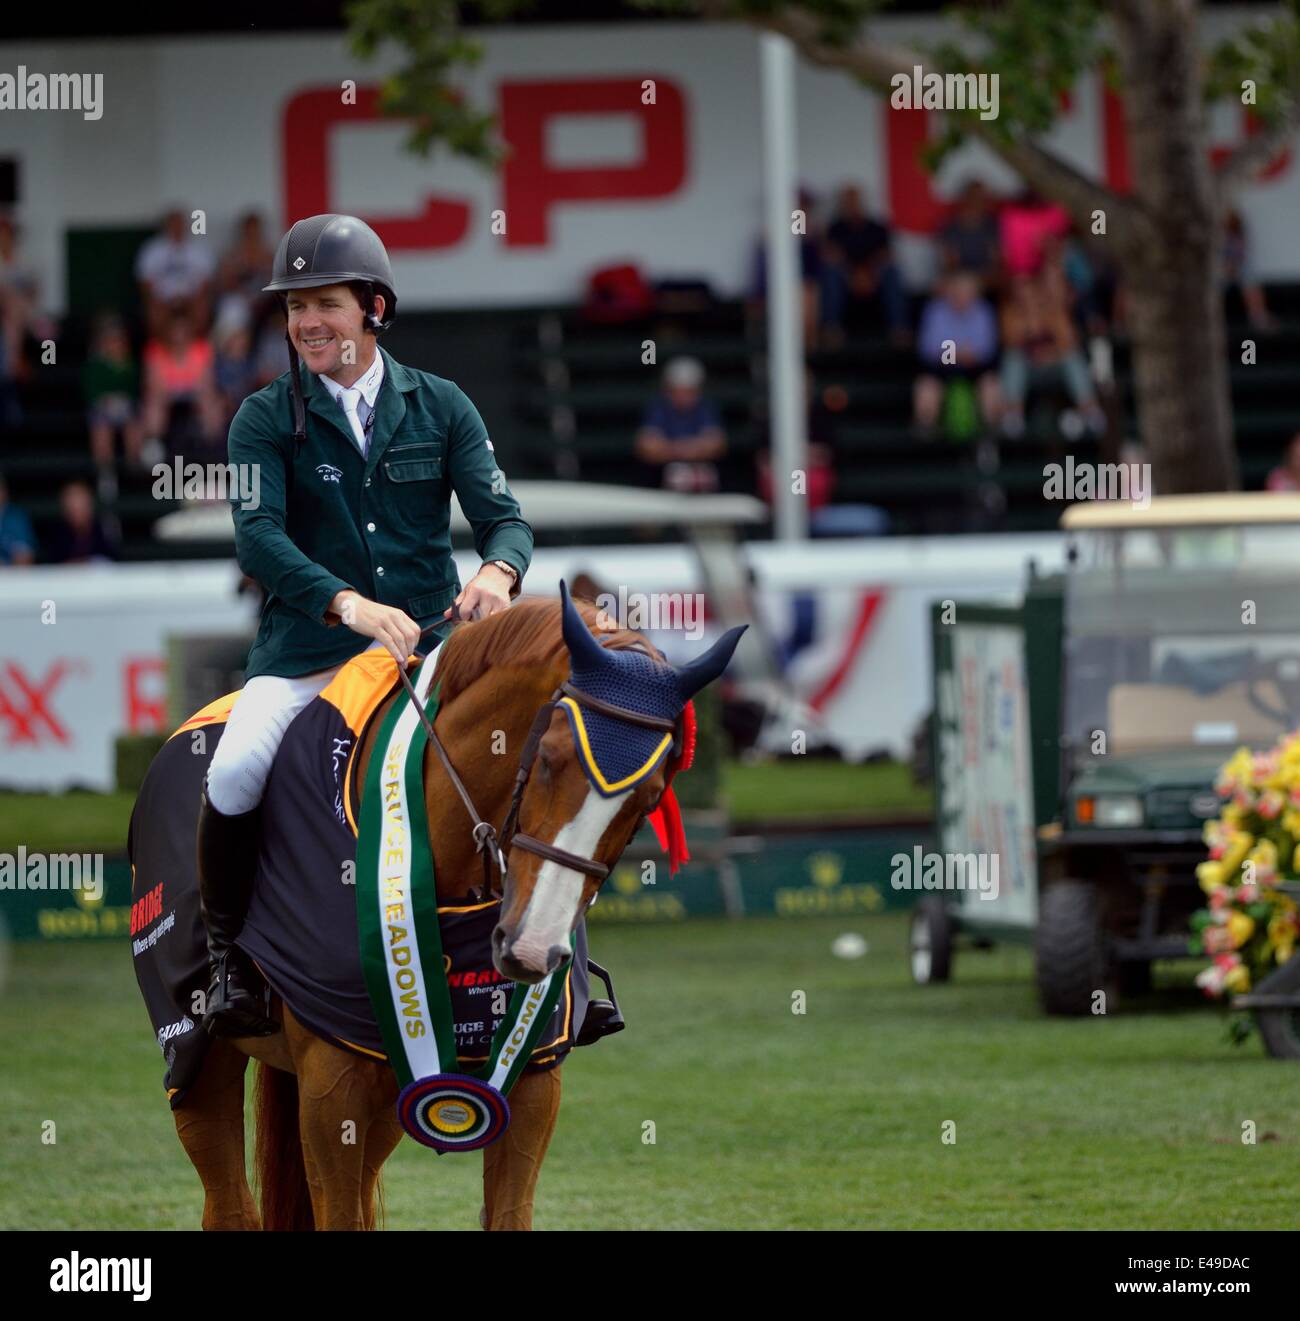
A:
x: 453, y: 1112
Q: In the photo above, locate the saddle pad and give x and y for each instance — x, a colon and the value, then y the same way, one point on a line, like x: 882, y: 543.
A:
x: 301, y: 925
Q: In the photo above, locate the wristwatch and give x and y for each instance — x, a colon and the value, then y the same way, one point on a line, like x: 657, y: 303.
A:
x: 506, y: 568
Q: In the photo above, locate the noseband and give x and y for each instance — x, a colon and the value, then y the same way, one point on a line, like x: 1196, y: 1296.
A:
x: 495, y: 848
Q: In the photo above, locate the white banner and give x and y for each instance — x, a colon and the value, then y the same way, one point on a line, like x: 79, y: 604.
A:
x: 850, y: 618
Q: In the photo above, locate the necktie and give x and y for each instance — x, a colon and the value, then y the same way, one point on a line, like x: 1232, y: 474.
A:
x: 350, y: 400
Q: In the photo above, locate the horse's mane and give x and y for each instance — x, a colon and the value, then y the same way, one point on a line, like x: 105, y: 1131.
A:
x: 527, y: 636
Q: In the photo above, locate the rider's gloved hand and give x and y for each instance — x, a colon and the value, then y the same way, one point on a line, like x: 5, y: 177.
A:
x: 384, y: 623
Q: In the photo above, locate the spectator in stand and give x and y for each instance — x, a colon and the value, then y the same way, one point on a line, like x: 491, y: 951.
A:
x: 80, y: 536
x: 236, y: 372
x: 111, y: 383
x: 681, y: 435
x: 859, y: 252
x: 175, y: 267
x: 1239, y: 276
x: 243, y: 271
x: 820, y: 482
x: 823, y: 289
x: 1025, y: 225
x: 1286, y: 476
x: 971, y: 239
x: 20, y: 316
x: 17, y: 542
x: 958, y: 340
x: 1040, y: 347
x: 181, y: 408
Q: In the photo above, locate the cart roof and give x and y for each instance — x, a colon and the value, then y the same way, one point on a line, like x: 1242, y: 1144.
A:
x: 1217, y: 510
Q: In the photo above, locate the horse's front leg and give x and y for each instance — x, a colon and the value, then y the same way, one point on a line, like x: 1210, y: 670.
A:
x: 513, y: 1162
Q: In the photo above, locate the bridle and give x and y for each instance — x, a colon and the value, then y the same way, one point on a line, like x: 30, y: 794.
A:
x: 495, y: 847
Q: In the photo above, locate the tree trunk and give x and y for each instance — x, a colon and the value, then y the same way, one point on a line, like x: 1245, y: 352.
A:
x: 1180, y: 375
x: 1169, y: 255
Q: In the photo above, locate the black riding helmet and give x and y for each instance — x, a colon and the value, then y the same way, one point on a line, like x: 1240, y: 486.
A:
x: 331, y: 249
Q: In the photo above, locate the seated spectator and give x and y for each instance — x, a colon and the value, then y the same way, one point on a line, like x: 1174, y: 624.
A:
x: 681, y: 434
x: 1040, y: 346
x: 971, y: 241
x: 175, y: 267
x: 17, y: 542
x: 80, y: 536
x: 1024, y: 226
x: 181, y: 407
x: 110, y: 383
x: 1238, y: 273
x: 20, y: 316
x: 1286, y: 476
x: 823, y: 291
x: 236, y: 372
x: 958, y: 341
x: 859, y: 249
x: 243, y: 270
x: 820, y: 483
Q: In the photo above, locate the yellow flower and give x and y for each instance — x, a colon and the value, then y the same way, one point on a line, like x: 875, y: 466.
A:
x: 1238, y: 979
x: 1240, y: 845
x: 1210, y: 874
x: 1241, y: 926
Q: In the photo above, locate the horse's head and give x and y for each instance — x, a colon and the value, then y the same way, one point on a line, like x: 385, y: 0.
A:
x: 603, y: 753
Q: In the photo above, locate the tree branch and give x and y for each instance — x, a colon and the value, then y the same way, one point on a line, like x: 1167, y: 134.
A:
x: 876, y: 63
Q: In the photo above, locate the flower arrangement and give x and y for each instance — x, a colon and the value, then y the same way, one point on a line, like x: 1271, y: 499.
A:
x: 1250, y: 925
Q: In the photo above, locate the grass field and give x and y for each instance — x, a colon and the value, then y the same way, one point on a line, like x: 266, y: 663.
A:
x: 821, y: 793
x: 764, y: 1118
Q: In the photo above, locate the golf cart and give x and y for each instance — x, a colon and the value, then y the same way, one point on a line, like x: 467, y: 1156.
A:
x: 1078, y: 735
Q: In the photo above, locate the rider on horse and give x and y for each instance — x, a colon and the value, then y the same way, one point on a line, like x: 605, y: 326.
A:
x: 357, y: 457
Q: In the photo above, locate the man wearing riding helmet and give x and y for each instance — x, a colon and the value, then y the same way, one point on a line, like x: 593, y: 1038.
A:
x: 357, y: 457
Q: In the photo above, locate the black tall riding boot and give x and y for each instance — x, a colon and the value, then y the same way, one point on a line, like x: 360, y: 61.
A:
x: 238, y: 998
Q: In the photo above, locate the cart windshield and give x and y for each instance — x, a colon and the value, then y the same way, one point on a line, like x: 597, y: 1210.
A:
x: 1182, y: 638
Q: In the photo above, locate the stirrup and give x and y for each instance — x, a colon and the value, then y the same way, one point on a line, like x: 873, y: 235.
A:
x: 247, y: 1012
x: 604, y: 1017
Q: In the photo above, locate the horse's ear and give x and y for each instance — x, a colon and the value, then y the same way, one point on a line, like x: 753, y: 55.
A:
x: 584, y: 651
x: 702, y: 671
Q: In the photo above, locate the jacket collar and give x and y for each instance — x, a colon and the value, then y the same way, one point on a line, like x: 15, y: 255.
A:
x: 390, y: 407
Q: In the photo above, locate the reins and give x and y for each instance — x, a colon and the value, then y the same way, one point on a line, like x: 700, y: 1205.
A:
x: 495, y: 848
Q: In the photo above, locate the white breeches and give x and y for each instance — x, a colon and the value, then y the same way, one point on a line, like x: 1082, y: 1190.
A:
x: 258, y: 720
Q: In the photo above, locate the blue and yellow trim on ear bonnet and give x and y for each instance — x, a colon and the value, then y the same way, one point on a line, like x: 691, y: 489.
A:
x: 616, y: 756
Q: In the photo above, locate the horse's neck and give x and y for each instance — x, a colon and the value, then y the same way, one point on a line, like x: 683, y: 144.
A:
x: 483, y: 731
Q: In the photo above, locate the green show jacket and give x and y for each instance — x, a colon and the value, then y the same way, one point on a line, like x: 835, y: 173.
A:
x: 327, y: 519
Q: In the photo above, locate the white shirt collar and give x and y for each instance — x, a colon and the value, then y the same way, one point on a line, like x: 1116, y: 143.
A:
x: 368, y: 384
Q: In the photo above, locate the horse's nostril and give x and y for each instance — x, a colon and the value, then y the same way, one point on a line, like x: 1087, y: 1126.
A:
x: 557, y: 956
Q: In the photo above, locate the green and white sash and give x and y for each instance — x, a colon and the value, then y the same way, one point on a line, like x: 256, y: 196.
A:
x: 402, y: 956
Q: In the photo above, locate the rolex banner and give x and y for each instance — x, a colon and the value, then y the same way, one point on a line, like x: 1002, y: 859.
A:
x: 402, y: 957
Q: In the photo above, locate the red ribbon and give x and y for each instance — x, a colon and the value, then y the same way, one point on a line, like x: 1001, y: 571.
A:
x: 666, y: 819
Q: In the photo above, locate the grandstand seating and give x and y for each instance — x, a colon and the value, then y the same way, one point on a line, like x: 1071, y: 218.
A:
x: 562, y: 398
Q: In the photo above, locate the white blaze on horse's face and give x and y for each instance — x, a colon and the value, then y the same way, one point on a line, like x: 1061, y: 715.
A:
x: 557, y: 891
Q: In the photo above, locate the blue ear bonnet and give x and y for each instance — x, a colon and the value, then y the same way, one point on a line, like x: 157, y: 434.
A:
x: 617, y: 755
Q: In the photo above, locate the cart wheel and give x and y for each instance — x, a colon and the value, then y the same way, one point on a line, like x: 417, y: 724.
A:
x: 1070, y: 949
x: 931, y: 941
x: 1280, y: 1029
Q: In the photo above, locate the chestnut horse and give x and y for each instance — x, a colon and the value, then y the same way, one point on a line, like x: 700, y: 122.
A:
x: 495, y: 675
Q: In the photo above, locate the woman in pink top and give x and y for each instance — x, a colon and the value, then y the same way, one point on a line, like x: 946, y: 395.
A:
x: 178, y: 375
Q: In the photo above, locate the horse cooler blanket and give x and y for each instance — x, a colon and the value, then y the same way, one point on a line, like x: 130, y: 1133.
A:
x: 302, y: 922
